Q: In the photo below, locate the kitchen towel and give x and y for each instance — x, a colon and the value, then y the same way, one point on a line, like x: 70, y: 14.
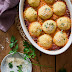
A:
x: 7, y: 13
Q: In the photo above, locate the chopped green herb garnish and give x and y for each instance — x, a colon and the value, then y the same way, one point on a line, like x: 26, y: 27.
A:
x: 35, y: 14
x: 10, y: 65
x: 11, y: 71
x: 51, y: 23
x: 62, y: 31
x: 40, y: 30
x: 47, y: 23
x: 64, y: 39
x: 45, y: 26
x: 19, y: 68
x: 46, y: 9
x: 62, y: 24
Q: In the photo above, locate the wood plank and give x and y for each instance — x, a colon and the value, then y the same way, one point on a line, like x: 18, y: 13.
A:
x: 65, y: 60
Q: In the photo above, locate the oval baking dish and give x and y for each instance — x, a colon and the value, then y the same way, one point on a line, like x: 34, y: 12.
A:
x: 53, y: 52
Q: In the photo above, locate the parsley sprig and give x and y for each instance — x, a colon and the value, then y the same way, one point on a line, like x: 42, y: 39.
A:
x: 13, y: 45
x: 10, y: 65
x: 29, y: 50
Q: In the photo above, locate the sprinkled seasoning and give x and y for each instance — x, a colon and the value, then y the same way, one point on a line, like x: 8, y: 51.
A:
x: 64, y: 39
x: 62, y: 24
x: 47, y: 23
x: 51, y: 23
x: 45, y: 8
x: 35, y: 14
x: 62, y: 31
x: 40, y: 30
x: 45, y: 26
x: 49, y: 9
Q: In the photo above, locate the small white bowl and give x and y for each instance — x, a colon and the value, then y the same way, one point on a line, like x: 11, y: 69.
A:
x: 21, y: 6
x: 17, y: 55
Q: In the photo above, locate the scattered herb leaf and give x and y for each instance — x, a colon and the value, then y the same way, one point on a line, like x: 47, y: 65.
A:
x: 62, y: 31
x: 11, y: 71
x: 62, y: 24
x: 10, y: 65
x: 11, y: 45
x: 46, y: 9
x: 19, y: 68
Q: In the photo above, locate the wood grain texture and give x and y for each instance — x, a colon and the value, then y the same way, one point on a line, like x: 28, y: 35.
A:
x: 64, y: 59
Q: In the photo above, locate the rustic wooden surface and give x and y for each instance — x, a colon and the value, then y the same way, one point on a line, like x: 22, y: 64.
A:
x: 57, y: 62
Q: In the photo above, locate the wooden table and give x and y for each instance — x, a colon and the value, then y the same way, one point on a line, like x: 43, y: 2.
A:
x: 56, y: 62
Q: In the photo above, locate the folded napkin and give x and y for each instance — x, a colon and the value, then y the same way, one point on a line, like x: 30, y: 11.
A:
x: 7, y: 13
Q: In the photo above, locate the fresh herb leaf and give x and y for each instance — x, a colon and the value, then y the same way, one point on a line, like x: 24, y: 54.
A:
x: 12, y: 39
x: 11, y: 71
x: 10, y: 65
x: 13, y: 45
x: 62, y: 24
x: 29, y: 50
x: 19, y: 68
x: 46, y: 9
x: 10, y: 52
x: 62, y: 31
x: 16, y: 47
x: 15, y: 42
x: 62, y: 70
x: 26, y: 50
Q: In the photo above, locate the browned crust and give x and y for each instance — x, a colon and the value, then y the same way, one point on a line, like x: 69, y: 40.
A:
x: 66, y: 17
x: 65, y: 10
x: 66, y: 37
x: 29, y: 29
x: 46, y: 48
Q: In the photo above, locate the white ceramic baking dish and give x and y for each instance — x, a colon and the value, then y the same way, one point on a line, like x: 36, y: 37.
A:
x: 21, y: 6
